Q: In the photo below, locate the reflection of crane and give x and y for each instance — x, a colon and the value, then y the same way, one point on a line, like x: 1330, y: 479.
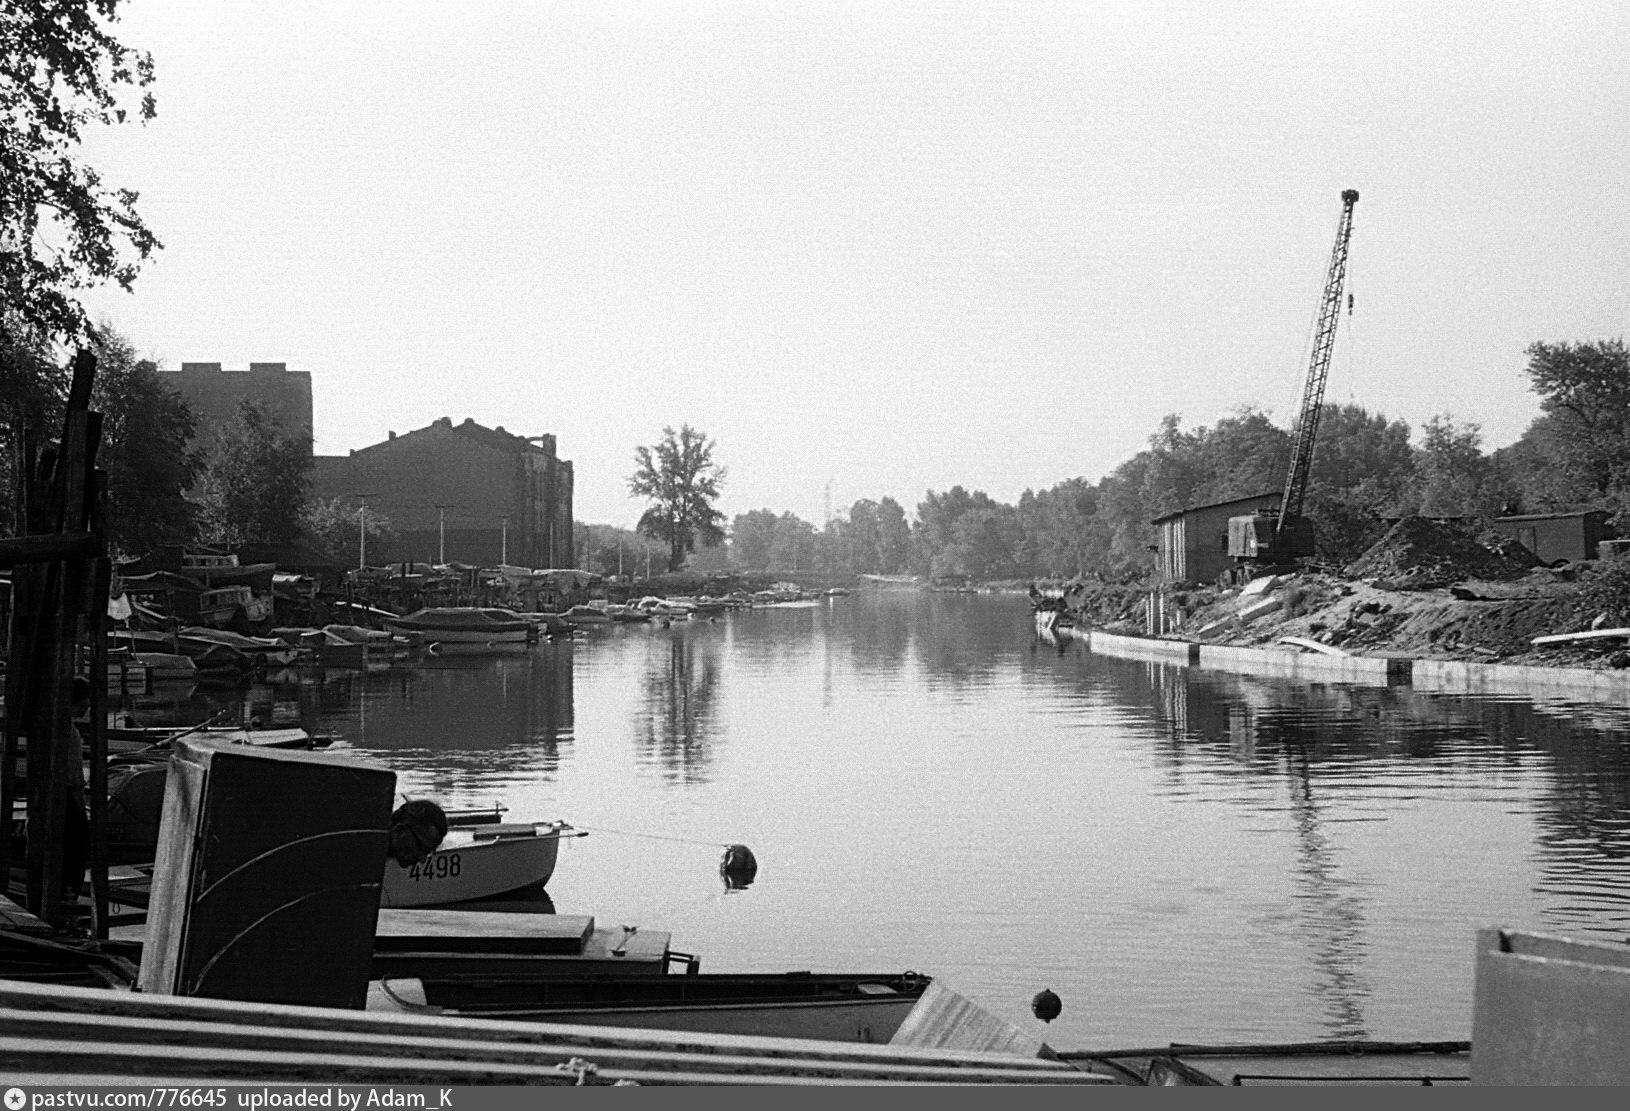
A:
x: 1268, y: 539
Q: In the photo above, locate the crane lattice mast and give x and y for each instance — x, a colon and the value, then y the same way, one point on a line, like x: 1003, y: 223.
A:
x: 1324, y: 339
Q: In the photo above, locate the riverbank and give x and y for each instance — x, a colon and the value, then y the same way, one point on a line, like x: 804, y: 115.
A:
x: 1426, y: 591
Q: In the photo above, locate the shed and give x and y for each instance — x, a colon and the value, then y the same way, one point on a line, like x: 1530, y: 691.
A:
x: 1192, y: 545
x: 1558, y: 536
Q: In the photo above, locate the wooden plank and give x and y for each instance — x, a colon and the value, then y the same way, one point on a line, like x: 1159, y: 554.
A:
x: 210, y: 1041
x: 943, y: 1018
x: 1594, y: 634
x: 24, y: 1004
x: 1314, y: 646
x: 464, y: 931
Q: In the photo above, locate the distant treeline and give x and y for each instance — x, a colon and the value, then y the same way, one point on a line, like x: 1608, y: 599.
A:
x: 1574, y: 456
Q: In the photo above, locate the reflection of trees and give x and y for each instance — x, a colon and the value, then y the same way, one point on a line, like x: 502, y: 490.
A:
x: 880, y: 622
x: 674, y: 720
x: 461, y: 715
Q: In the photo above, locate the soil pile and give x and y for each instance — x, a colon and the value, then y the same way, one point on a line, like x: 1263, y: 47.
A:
x: 1418, y: 553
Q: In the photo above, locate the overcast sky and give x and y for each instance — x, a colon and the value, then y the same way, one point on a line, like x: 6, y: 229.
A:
x: 876, y: 248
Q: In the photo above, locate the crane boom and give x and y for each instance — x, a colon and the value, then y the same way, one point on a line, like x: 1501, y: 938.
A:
x: 1324, y: 339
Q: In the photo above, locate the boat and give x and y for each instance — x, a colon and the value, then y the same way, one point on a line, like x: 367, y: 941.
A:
x: 549, y: 624
x: 166, y: 667
x: 839, y: 1007
x: 478, y: 862
x: 1345, y: 1063
x: 472, y: 626
x: 132, y: 738
x: 587, y: 615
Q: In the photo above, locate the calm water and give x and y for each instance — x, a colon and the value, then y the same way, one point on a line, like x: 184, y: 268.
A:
x: 1182, y: 855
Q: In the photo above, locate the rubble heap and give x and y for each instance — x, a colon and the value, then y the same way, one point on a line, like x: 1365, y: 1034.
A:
x: 1419, y: 553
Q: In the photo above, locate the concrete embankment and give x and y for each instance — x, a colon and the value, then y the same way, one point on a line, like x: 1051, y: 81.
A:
x: 1437, y: 676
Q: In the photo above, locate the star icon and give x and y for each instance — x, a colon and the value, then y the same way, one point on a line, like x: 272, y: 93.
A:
x: 15, y: 1099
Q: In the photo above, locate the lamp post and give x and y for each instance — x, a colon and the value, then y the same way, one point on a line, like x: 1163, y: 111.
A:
x: 441, y: 534
x: 503, y: 542
x: 362, y: 531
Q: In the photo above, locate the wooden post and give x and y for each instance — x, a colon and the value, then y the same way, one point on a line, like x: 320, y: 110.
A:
x: 56, y: 504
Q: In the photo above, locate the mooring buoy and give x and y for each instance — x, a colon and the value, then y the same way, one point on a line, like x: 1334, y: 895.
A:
x: 738, y: 867
x: 1046, y: 1005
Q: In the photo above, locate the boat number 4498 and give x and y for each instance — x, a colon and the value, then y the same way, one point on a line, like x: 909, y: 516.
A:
x: 441, y: 866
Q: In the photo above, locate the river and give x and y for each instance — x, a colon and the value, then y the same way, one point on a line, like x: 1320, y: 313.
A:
x: 1180, y: 854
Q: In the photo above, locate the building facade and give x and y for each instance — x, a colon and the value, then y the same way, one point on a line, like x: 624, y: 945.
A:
x: 1192, y: 545
x: 215, y: 395
x: 459, y: 493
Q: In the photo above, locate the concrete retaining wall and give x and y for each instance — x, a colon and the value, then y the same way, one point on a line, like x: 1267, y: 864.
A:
x: 1430, y: 676
x: 1460, y: 677
x: 1144, y: 648
x: 1369, y: 670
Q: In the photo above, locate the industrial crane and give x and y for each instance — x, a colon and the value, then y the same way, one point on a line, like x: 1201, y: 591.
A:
x: 1261, y: 540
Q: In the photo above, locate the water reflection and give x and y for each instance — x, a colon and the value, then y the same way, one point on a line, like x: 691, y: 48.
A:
x: 674, y: 719
x: 1344, y: 734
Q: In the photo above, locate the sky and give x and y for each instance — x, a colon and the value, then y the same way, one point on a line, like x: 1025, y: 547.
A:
x: 873, y: 249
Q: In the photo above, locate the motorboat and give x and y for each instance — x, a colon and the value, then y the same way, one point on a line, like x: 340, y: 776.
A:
x: 473, y: 626
x: 478, y: 862
x: 839, y: 1007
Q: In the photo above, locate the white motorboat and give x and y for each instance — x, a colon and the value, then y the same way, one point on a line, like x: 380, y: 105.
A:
x: 478, y: 862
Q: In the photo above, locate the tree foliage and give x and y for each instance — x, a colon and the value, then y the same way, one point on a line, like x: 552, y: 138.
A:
x: 32, y: 389
x: 61, y: 229
x: 253, y: 486
x: 146, y: 431
x: 680, y: 478
x: 752, y: 534
x: 336, y: 528
x: 1584, y: 392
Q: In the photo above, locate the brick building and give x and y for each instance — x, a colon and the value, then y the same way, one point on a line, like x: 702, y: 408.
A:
x: 215, y: 395
x: 463, y: 492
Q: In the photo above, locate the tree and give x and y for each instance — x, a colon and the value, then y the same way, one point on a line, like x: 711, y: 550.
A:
x: 984, y: 543
x: 337, y: 528
x: 253, y: 487
x: 1363, y: 472
x: 61, y: 229
x: 894, y: 537
x: 792, y: 546
x: 146, y: 430
x: 751, y: 536
x: 1453, y: 476
x: 1584, y: 390
x: 935, y: 534
x: 1530, y: 471
x: 31, y: 397
x: 680, y: 477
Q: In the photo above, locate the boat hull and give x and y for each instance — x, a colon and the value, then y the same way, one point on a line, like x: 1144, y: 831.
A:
x: 829, y: 1007
x: 476, y: 865
x: 472, y: 626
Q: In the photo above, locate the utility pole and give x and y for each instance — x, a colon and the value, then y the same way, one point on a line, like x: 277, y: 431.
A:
x: 362, y: 530
x: 503, y: 549
x: 441, y: 533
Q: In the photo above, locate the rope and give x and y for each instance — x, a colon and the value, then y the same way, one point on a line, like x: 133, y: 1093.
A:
x: 652, y: 836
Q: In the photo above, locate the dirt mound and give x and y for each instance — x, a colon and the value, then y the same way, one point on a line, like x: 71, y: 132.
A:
x: 1420, y: 553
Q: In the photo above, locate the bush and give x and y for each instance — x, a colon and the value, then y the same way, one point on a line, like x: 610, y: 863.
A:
x: 1607, y: 590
